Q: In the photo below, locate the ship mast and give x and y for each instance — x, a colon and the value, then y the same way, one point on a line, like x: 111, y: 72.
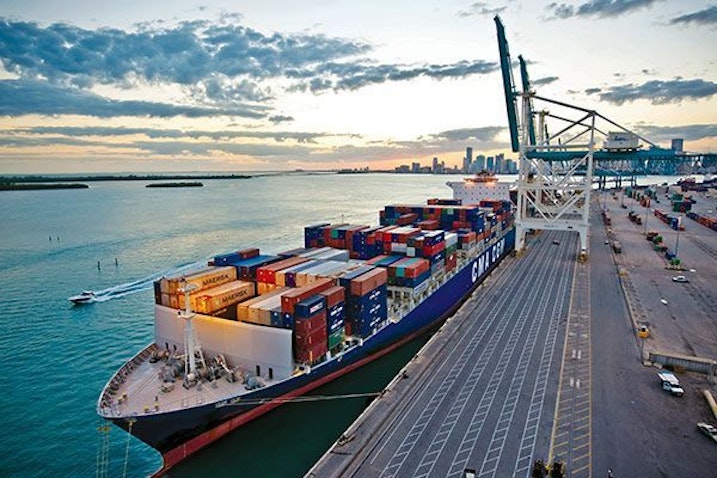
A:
x: 191, y: 343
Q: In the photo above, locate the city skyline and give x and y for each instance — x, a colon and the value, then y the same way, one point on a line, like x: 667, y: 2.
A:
x: 213, y: 86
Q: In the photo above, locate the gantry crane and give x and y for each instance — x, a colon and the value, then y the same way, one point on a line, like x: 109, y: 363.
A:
x: 555, y: 173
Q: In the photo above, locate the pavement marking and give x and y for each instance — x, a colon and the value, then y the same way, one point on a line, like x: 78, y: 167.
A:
x: 571, y: 436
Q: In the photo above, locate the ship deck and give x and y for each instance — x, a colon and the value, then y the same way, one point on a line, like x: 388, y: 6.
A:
x: 138, y: 390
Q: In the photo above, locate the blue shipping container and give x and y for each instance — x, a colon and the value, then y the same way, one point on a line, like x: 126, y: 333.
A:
x: 310, y: 307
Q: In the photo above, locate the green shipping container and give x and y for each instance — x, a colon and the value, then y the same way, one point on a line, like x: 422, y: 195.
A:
x: 336, y: 338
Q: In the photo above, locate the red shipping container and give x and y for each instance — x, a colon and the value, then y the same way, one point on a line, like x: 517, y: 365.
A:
x: 312, y: 354
x: 267, y: 273
x: 369, y: 281
x: 248, y: 253
x: 308, y: 340
x: 293, y: 297
x: 428, y: 225
x: 334, y: 295
x: 451, y: 262
x: 428, y: 251
x: 412, y: 267
x: 406, y: 219
x: 306, y: 326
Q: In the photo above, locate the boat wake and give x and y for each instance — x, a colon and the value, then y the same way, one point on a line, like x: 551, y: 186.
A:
x: 129, y: 288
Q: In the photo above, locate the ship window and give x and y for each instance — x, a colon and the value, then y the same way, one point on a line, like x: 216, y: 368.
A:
x: 271, y: 373
x: 258, y: 371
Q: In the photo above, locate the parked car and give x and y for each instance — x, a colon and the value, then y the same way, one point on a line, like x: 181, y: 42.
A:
x: 680, y: 279
x: 708, y: 430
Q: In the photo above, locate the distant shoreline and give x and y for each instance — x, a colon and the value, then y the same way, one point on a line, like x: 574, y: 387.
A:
x: 40, y: 186
x: 175, y: 185
x: 9, y: 180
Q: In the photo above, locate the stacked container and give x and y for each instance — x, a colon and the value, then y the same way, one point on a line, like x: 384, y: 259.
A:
x: 448, y: 216
x: 409, y: 272
x: 366, y: 300
x: 267, y: 273
x: 293, y: 296
x: 221, y: 301
x: 708, y: 222
x: 233, y: 257
x: 335, y: 315
x: 258, y: 310
x: 310, y: 329
x: 672, y: 221
x: 169, y: 288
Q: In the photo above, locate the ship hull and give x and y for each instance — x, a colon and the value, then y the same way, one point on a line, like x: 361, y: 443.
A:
x: 181, y: 433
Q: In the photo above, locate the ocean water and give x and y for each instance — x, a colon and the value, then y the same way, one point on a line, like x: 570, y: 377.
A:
x: 59, y: 356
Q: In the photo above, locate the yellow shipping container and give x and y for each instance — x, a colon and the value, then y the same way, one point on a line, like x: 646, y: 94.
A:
x: 262, y: 288
x: 205, y: 279
x: 243, y: 309
x: 217, y: 298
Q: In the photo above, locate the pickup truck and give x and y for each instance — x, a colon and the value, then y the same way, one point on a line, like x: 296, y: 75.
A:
x: 670, y: 383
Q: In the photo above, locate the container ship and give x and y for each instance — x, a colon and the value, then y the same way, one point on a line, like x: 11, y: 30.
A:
x: 252, y: 330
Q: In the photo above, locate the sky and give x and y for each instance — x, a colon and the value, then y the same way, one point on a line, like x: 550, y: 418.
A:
x: 184, y: 85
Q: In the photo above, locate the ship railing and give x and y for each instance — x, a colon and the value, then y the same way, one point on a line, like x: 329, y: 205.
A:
x: 120, y: 377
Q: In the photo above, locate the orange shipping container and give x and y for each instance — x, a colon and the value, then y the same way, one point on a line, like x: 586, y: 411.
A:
x: 334, y: 295
x: 369, y: 281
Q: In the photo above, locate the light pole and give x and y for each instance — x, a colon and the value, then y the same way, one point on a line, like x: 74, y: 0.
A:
x: 677, y: 241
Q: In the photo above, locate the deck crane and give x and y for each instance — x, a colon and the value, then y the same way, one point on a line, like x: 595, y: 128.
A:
x: 555, y: 173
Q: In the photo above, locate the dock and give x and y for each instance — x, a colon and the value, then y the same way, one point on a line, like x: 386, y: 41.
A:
x: 544, y: 362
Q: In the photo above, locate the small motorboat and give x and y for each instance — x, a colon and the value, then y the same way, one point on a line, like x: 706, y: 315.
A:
x: 84, y: 298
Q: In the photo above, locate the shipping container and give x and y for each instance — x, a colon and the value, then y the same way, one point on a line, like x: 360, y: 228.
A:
x: 267, y: 273
x: 334, y: 295
x: 365, y: 283
x: 223, y: 296
x: 307, y: 325
x: 243, y: 307
x: 246, y: 268
x: 294, y: 296
x: 310, y: 307
x: 204, y: 279
x: 287, y: 277
x: 336, y: 317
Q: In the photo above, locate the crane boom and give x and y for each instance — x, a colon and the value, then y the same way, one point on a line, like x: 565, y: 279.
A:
x: 510, y: 100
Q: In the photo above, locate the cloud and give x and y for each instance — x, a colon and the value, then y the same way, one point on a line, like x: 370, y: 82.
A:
x: 218, y: 67
x: 592, y: 91
x: 352, y: 76
x: 597, y: 8
x: 52, y: 132
x: 708, y: 16
x: 487, y: 133
x: 660, y: 92
x: 185, y: 54
x: 22, y: 97
x: 544, y: 81
x: 481, y: 9
x: 692, y: 132
x: 280, y: 119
